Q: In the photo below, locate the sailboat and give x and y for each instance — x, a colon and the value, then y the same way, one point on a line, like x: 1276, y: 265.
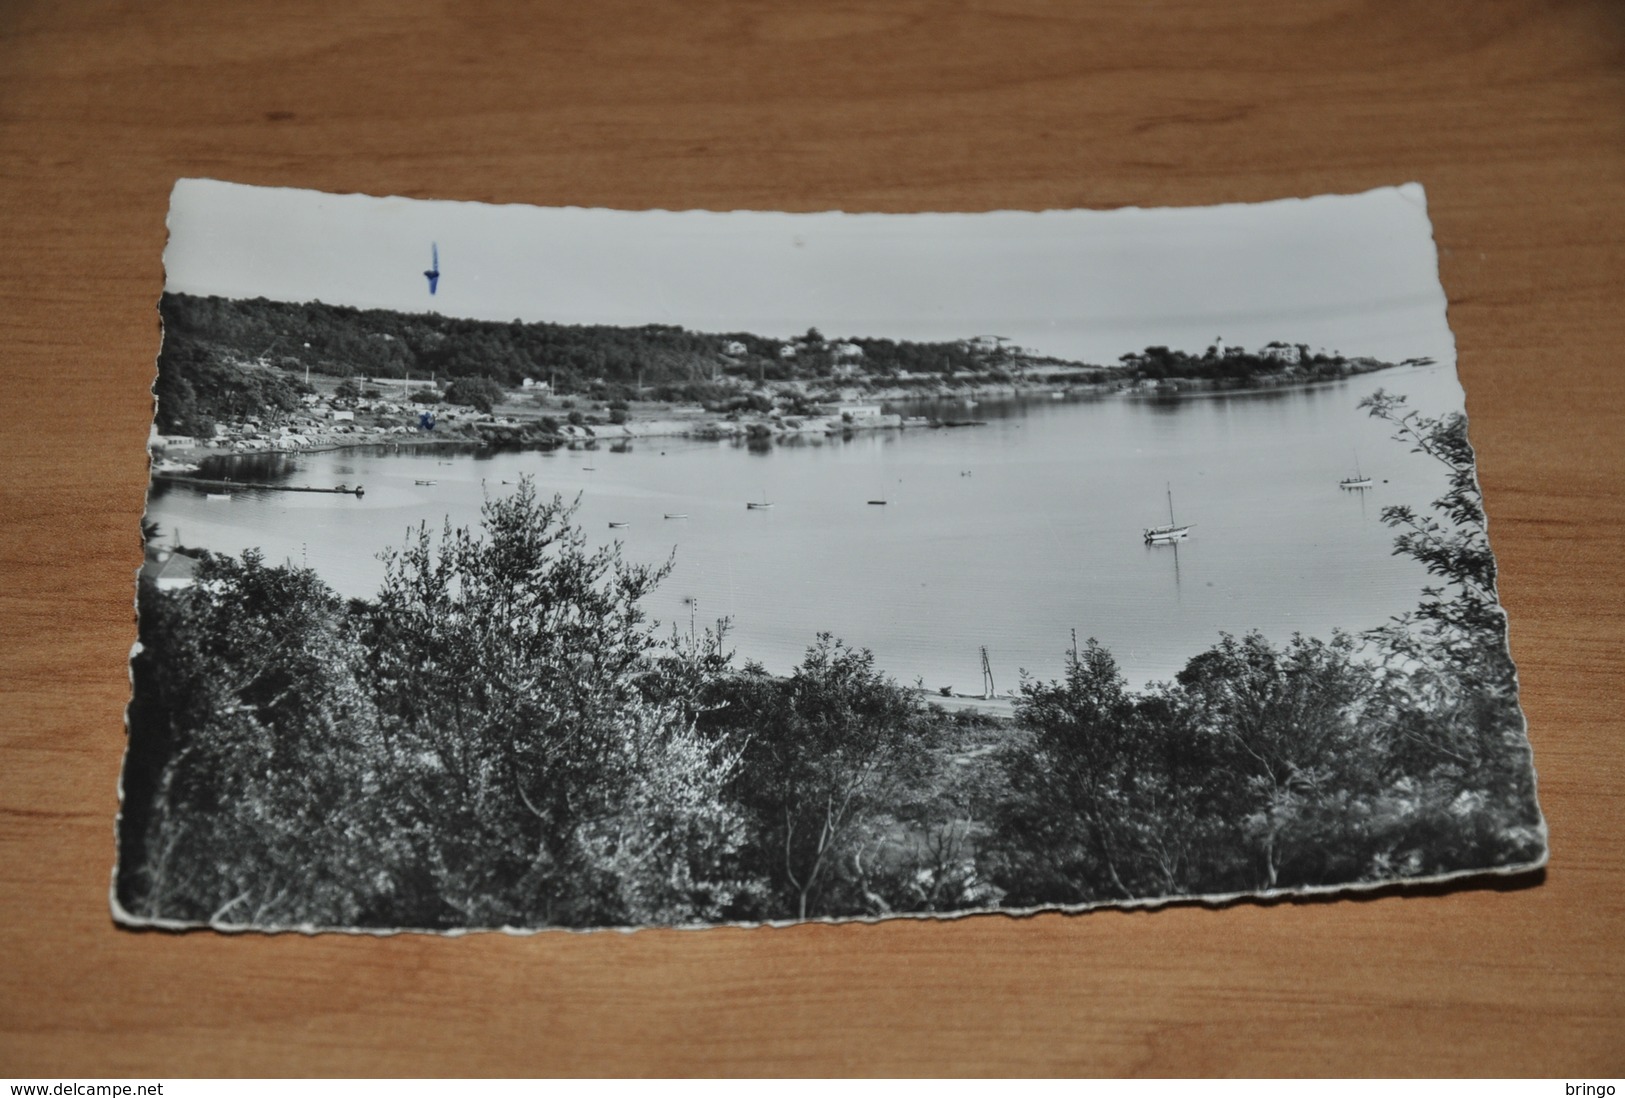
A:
x: 1163, y: 535
x: 762, y: 506
x: 1358, y: 480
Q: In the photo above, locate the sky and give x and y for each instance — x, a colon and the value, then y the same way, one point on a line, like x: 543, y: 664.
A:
x: 1350, y: 273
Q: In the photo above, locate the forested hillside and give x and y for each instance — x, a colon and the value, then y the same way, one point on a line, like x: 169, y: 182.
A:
x: 224, y: 358
x: 207, y: 341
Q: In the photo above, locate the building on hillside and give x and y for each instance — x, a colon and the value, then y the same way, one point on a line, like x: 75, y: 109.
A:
x: 1279, y: 352
x: 169, y: 571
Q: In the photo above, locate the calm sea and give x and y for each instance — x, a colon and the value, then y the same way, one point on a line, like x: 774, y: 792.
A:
x: 1008, y: 535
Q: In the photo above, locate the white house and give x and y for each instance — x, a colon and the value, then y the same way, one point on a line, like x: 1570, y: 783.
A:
x: 1280, y: 352
x: 733, y: 347
x: 170, y: 571
x: 846, y: 350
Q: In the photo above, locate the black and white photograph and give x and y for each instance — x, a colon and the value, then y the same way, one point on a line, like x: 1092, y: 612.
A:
x: 511, y: 567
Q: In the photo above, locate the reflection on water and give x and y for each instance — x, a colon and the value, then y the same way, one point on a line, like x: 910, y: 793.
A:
x: 1007, y: 535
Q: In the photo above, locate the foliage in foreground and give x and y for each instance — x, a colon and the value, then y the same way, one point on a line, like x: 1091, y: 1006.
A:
x: 500, y: 738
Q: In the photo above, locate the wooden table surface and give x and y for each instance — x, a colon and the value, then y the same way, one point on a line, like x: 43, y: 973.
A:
x: 1511, y: 113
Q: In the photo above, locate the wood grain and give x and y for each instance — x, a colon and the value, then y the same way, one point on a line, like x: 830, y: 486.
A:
x: 1511, y: 113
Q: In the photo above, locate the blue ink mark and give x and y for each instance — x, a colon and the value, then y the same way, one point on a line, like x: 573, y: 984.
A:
x: 433, y: 273
x: 426, y: 419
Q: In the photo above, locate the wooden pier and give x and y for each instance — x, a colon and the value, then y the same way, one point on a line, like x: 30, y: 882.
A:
x: 197, y: 482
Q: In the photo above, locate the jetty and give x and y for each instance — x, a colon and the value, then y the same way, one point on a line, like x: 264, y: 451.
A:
x: 196, y: 482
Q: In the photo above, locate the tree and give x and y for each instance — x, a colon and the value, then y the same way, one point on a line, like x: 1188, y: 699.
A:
x: 1295, y: 759
x: 551, y: 782
x: 1458, y: 618
x: 827, y: 754
x: 1457, y: 750
x: 198, y: 385
x: 480, y: 393
x: 250, y: 798
x: 1085, y: 815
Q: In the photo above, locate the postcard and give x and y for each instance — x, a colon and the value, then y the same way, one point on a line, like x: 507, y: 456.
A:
x: 522, y: 568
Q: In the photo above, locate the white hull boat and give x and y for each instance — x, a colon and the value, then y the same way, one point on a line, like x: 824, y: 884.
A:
x: 1173, y: 531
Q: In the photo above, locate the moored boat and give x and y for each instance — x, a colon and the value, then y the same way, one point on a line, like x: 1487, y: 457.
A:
x: 1172, y: 531
x: 1358, y: 480
x: 1156, y: 535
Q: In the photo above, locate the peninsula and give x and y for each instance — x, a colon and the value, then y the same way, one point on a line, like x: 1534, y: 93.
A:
x: 244, y: 376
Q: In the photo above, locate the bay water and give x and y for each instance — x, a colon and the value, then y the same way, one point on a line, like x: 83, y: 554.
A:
x: 1007, y: 535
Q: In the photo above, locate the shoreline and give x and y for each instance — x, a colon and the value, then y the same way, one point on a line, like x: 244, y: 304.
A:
x: 650, y: 420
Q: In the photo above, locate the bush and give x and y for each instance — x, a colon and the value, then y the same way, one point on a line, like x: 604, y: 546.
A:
x: 480, y: 393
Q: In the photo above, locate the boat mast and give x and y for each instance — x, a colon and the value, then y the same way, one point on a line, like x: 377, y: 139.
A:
x: 1171, y: 505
